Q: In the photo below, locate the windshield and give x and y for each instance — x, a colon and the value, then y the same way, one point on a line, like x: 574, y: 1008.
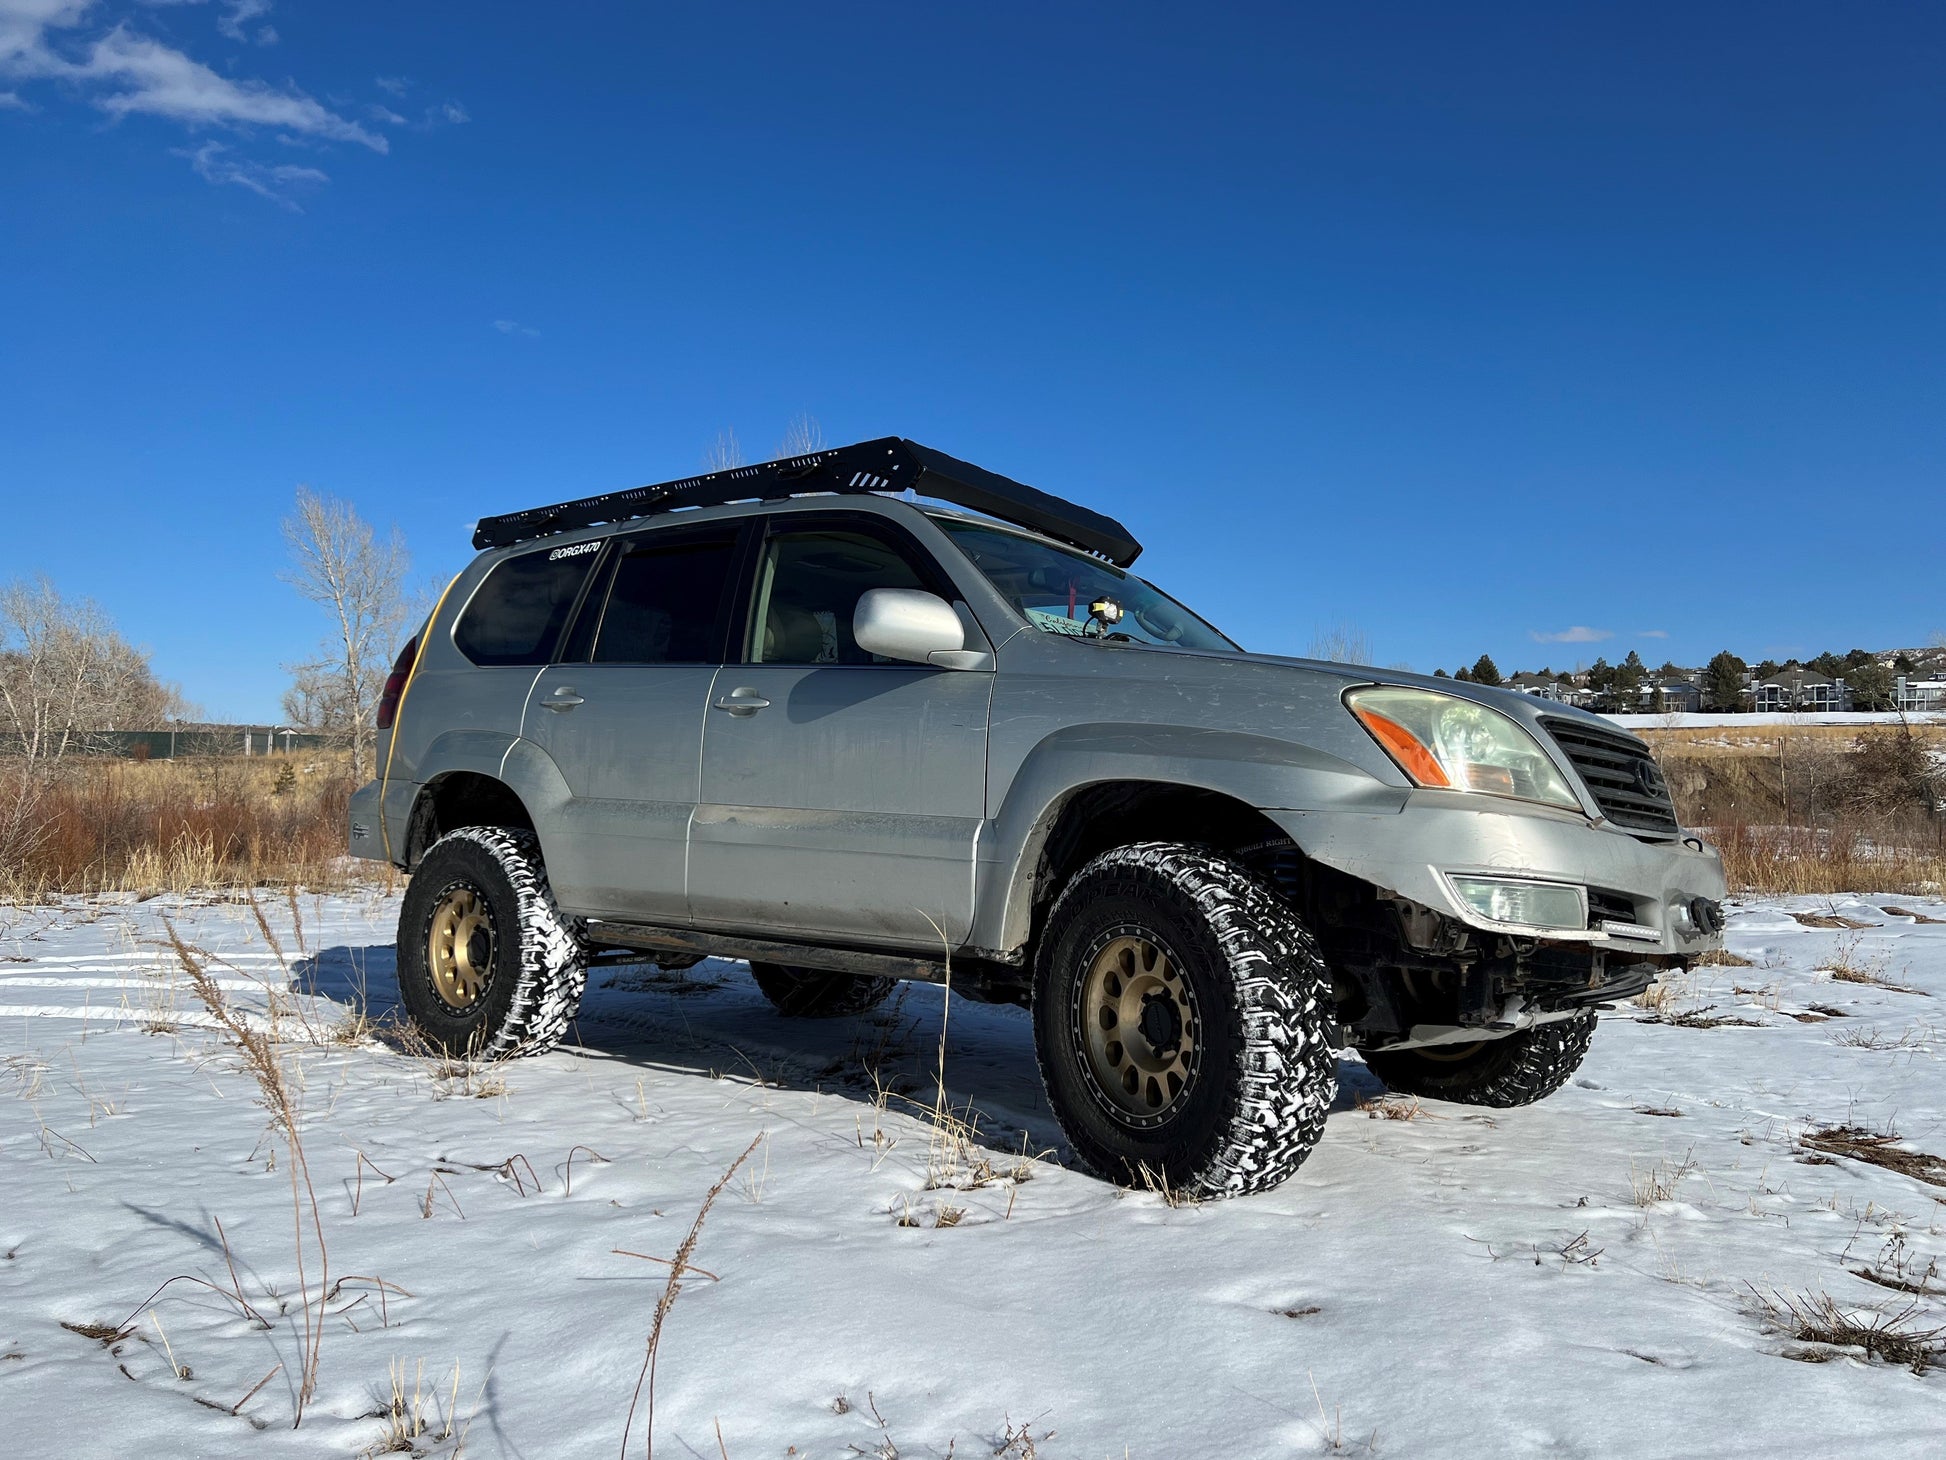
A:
x: 1053, y: 589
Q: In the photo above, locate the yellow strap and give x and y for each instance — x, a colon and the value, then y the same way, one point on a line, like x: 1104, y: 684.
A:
x: 418, y: 653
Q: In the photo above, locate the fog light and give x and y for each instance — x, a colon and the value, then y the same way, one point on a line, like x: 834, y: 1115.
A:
x: 1526, y: 904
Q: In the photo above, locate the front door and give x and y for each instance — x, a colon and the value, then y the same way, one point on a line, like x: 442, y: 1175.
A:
x: 622, y: 718
x: 841, y: 793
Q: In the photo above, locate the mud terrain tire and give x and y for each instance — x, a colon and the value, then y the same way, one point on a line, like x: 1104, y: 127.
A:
x: 489, y: 967
x: 1516, y: 1070
x: 819, y: 993
x: 1185, y: 951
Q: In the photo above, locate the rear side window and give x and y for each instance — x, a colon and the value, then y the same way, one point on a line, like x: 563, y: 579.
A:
x: 668, y: 602
x: 519, y: 612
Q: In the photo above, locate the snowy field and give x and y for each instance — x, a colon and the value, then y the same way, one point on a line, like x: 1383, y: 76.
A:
x: 1588, y: 1277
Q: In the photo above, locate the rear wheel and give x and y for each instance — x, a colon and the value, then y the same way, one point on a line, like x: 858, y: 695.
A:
x: 1182, y: 1019
x: 819, y: 993
x: 489, y: 968
x: 1518, y: 1069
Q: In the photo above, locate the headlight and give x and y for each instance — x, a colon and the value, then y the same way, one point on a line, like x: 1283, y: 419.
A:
x: 1453, y: 744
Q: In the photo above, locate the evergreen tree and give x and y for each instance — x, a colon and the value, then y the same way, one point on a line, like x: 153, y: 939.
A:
x: 1870, y: 685
x: 1440, y: 674
x: 1723, y: 683
x: 1485, y: 671
x: 1462, y: 676
x: 1829, y: 665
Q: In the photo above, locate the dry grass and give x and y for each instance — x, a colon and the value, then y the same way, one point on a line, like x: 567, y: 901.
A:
x: 670, y: 1291
x: 262, y: 1057
x: 1812, y: 809
x: 176, y: 826
x: 1395, y: 1107
x: 1894, y: 1337
x: 1720, y: 958
x: 1825, y: 860
x: 1847, y: 966
x: 1660, y: 1182
x: 1875, y: 1148
x: 416, y: 1418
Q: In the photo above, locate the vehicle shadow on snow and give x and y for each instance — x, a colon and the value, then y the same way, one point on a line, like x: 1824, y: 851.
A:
x: 711, y: 1020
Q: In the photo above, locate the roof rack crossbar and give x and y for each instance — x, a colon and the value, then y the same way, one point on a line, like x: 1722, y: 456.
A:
x: 890, y: 464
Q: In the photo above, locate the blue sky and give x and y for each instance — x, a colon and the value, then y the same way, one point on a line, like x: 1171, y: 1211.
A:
x: 1461, y: 324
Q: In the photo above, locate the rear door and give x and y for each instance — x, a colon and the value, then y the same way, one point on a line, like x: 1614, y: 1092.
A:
x: 841, y: 794
x: 621, y: 715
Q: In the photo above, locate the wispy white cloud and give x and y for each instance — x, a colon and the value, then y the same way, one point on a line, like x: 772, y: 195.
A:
x: 1653, y: 634
x: 239, y: 13
x: 12, y: 101
x: 515, y: 327
x: 125, y: 73
x: 1579, y: 634
x: 233, y: 22
x: 393, y: 85
x: 215, y: 163
x: 449, y: 112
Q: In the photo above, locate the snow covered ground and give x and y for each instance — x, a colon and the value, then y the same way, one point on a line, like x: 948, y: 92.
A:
x: 1585, y: 1277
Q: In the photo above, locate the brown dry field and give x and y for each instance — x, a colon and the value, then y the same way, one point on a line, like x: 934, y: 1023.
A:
x: 1765, y: 794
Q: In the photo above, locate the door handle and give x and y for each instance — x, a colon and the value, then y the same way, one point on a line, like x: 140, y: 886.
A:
x: 743, y: 702
x: 563, y: 699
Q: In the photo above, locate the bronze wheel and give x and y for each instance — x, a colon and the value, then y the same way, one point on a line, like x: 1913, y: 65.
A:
x: 1136, y: 1019
x: 459, y: 947
x: 1182, y: 1018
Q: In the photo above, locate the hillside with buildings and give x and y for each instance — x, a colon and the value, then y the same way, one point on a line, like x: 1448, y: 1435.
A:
x: 1911, y: 680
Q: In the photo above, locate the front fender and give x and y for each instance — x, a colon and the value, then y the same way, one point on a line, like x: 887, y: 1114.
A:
x: 1257, y: 770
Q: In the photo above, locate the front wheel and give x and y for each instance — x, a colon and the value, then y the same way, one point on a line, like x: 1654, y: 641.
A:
x: 489, y: 968
x: 1517, y: 1069
x: 1182, y: 1016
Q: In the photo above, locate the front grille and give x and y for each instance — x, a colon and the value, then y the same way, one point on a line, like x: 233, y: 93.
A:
x: 1626, y: 782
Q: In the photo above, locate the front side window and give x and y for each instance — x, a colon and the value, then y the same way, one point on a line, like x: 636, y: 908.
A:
x: 1052, y: 589
x: 667, y: 602
x: 808, y: 587
x: 517, y: 615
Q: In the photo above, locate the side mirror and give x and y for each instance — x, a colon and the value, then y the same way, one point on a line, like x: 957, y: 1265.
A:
x: 909, y: 624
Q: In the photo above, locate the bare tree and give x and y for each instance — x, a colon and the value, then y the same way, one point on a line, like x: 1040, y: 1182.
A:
x: 1342, y: 644
x: 724, y: 452
x: 802, y: 436
x: 341, y: 564
x: 66, y: 674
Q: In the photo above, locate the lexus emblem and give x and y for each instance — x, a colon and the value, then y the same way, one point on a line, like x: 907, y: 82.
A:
x: 1648, y: 779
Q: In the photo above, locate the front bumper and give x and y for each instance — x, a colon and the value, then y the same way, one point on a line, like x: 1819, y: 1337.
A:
x: 1411, y: 852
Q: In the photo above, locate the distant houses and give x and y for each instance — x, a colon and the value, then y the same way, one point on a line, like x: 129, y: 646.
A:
x: 1791, y: 690
x: 1915, y: 694
x: 1801, y: 691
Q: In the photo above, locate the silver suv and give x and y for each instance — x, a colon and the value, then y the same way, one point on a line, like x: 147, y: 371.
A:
x: 805, y: 715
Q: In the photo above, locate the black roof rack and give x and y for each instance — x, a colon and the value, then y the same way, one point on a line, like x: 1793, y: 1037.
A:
x: 890, y: 464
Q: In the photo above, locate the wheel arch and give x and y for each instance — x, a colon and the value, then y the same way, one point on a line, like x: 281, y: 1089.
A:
x: 454, y: 799
x: 1216, y: 788
x: 1088, y: 819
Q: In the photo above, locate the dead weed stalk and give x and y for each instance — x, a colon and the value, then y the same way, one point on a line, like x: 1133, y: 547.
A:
x: 670, y: 1291
x: 264, y: 1063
